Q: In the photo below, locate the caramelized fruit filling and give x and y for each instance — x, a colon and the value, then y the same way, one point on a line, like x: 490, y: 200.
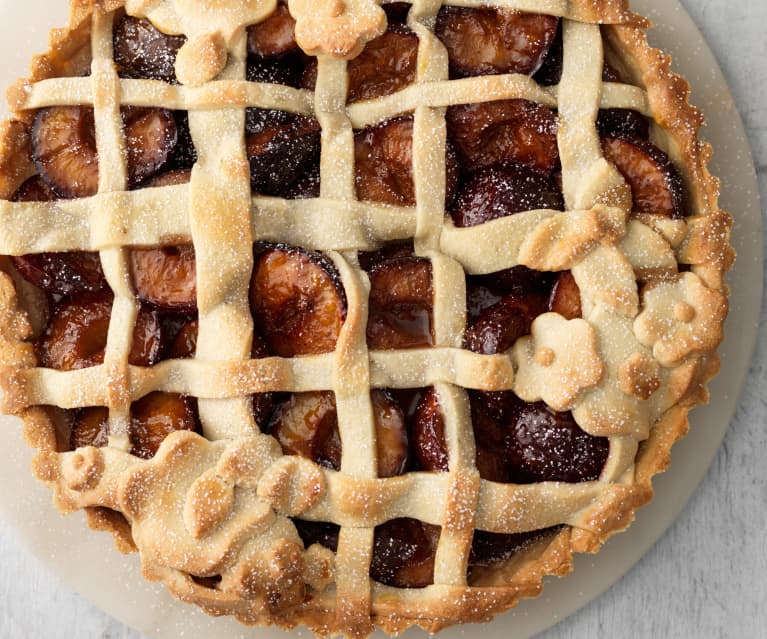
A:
x: 281, y: 152
x: 165, y: 277
x: 507, y: 130
x: 143, y: 52
x: 386, y: 64
x: 297, y: 300
x: 400, y: 304
x: 64, y: 146
x: 383, y: 164
x: 153, y: 418
x: 76, y: 334
x: 489, y: 41
x: 306, y: 424
x: 516, y: 442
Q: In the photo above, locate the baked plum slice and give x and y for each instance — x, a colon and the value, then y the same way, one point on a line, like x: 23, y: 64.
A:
x: 297, y: 300
x: 184, y: 154
x: 545, y: 445
x: 482, y: 291
x: 505, y: 130
x: 306, y: 424
x: 318, y: 532
x: 623, y: 123
x: 62, y: 273
x: 307, y: 186
x: 516, y: 442
x: 183, y: 344
x: 66, y: 273
x: 501, y: 190
x: 503, y: 323
x: 275, y: 36
x: 386, y: 64
x: 401, y: 304
x: 403, y: 553
x: 64, y: 146
x: 153, y: 418
x: 389, y: 251
x: 288, y: 70
x: 76, y: 335
x: 488, y: 548
x: 279, y: 154
x: 430, y: 447
x: 565, y: 297
x: 403, y: 549
x: 489, y: 41
x: 273, y: 54
x: 383, y: 162
x: 165, y: 277
x: 656, y: 186
x: 141, y: 51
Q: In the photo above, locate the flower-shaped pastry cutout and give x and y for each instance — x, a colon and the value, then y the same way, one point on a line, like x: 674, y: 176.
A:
x: 557, y: 362
x: 681, y: 317
x: 339, y: 28
x: 199, y: 493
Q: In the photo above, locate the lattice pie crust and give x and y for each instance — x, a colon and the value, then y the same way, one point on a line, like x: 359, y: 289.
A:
x: 220, y: 506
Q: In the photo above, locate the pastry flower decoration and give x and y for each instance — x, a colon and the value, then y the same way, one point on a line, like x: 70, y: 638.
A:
x: 680, y: 317
x: 557, y: 361
x: 233, y: 495
x: 339, y: 28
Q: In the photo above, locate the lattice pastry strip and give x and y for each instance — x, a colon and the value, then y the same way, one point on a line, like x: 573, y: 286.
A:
x: 642, y: 360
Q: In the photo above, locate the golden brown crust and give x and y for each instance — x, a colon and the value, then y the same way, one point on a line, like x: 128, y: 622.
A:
x: 232, y: 516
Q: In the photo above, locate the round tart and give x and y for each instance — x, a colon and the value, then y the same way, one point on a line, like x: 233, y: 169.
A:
x: 350, y: 315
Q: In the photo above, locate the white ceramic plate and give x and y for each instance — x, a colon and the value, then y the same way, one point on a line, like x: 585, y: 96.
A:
x: 114, y: 582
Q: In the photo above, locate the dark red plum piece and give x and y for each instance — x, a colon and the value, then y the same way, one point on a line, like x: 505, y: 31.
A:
x: 66, y: 273
x: 623, y: 123
x: 143, y: 52
x: 488, y: 548
x: 297, y: 300
x: 76, y: 334
x: 565, y: 297
x: 502, y: 324
x: 153, y: 418
x: 428, y: 441
x: 506, y: 130
x: 546, y: 445
x: 306, y: 424
x: 386, y: 64
x: 656, y: 186
x: 401, y: 304
x: 403, y: 553
x: 383, y: 157
x: 64, y: 146
x: 487, y: 41
x: 166, y: 277
x: 280, y: 154
x: 502, y: 190
x: 275, y: 36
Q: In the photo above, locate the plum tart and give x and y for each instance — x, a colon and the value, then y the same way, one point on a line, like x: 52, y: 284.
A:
x: 356, y: 315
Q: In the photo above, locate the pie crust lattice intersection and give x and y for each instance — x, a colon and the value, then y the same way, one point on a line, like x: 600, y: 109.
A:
x: 210, y: 516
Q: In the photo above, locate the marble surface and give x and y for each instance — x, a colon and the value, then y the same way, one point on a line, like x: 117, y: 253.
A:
x: 719, y: 536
